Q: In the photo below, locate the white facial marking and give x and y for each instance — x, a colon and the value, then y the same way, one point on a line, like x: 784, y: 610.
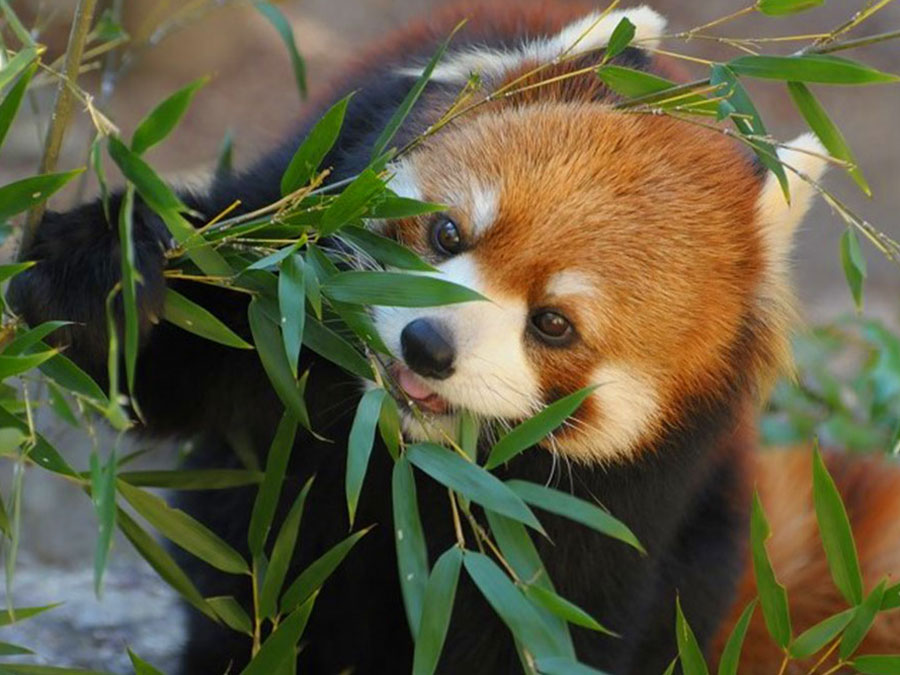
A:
x: 778, y: 219
x: 570, y: 282
x: 492, y: 374
x: 628, y: 405
x: 404, y: 180
x: 584, y: 35
x: 484, y: 208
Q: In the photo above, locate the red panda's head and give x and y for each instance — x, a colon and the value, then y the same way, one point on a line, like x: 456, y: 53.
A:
x: 639, y: 253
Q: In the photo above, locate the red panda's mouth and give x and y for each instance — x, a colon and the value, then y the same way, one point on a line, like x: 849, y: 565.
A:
x: 416, y: 390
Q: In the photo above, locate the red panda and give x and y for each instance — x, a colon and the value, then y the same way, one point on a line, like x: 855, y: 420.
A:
x: 639, y: 253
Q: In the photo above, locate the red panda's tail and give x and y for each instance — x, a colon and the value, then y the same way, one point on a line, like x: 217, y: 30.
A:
x: 870, y: 487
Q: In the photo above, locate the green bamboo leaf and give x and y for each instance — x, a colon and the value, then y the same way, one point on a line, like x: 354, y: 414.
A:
x: 854, y: 264
x: 891, y: 598
x: 560, y: 665
x: 621, y: 37
x: 471, y: 481
x: 312, y: 578
x: 384, y: 250
x: 437, y: 606
x: 164, y: 117
x: 782, y: 7
x: 151, y: 187
x: 863, y: 617
x: 731, y: 654
x: 114, y: 413
x: 632, y: 83
x: 225, y: 158
x: 822, y: 68
x: 827, y: 131
x: 12, y: 269
x: 17, y: 64
x: 43, y: 454
x: 31, y: 337
x: 519, y: 615
x: 23, y: 194
x: 7, y: 649
x: 815, y: 638
x: 396, y: 289
x: 394, y: 207
x: 533, y: 430
x: 95, y: 161
x: 5, y: 524
x: 270, y: 348
x: 10, y: 440
x: 273, y: 259
x: 469, y: 430
x: 315, y: 148
x: 19, y: 669
x: 292, y: 303
x: 72, y: 378
x: 9, y: 616
x: 328, y: 344
x: 872, y: 664
x: 389, y: 426
x: 16, y: 365
x: 283, y: 26
x: 140, y: 666
x: 772, y: 595
x: 412, y: 553
x: 573, y: 508
x: 195, y: 319
x: 352, y: 203
x: 403, y: 110
x: 130, y: 279
x: 671, y: 669
x: 564, y: 609
x: 746, y: 118
x: 281, y: 645
x: 232, y: 614
x: 198, y: 479
x: 837, y: 537
x: 270, y: 489
x: 359, y: 446
x: 160, y: 560
x: 10, y: 105
x: 182, y: 530
x: 689, y: 652
x: 103, y: 496
x: 282, y: 553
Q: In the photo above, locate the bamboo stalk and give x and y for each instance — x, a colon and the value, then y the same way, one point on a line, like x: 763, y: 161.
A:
x: 62, y: 108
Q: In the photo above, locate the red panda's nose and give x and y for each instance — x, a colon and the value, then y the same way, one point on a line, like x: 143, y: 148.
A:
x: 428, y: 348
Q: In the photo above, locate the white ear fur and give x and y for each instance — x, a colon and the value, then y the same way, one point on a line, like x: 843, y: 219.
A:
x: 778, y: 218
x: 578, y: 37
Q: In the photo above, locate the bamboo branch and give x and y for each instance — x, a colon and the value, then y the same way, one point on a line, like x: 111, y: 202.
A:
x: 62, y: 108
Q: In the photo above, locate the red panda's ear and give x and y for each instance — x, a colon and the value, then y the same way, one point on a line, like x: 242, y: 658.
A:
x: 778, y: 217
x: 589, y: 33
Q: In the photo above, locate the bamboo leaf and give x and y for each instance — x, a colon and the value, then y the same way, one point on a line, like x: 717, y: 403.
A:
x: 7, y: 649
x: 270, y: 489
x: 437, y: 606
x: 633, y: 84
x: 731, y: 654
x: 21, y: 195
x: 70, y: 377
x: 232, y: 614
x: 384, y: 250
x: 325, y: 342
x: 18, y: 63
x: 396, y: 289
x: 12, y: 269
x: 315, y: 148
x: 783, y: 7
x: 164, y: 117
x: 564, y: 609
x: 292, y: 303
x: 151, y: 187
x: 412, y: 553
x: 198, y: 479
x: 140, y: 666
x: 891, y: 598
x: 559, y: 665
x: 816, y: 637
x: 31, y: 337
x: 621, y: 37
x: 314, y: 576
x: 182, y: 530
x: 394, y: 207
x: 281, y: 645
x: 533, y: 430
x: 471, y: 481
x: 282, y: 553
x: 837, y: 537
x: 13, y: 99
x: 16, y: 365
x: 822, y: 68
x: 359, y: 446
x: 195, y: 319
x: 863, y: 617
x: 772, y: 595
x: 103, y: 496
x: 15, y: 615
x: 872, y: 664
x: 573, y: 508
x: 854, y: 264
x: 283, y: 26
x: 130, y: 279
x: 689, y: 652
x: 827, y: 131
x: 389, y: 426
x: 352, y: 203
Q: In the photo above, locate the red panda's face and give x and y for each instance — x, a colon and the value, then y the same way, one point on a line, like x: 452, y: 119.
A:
x: 631, y: 252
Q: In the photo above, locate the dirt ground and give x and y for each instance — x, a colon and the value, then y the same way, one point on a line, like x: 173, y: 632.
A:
x: 252, y: 95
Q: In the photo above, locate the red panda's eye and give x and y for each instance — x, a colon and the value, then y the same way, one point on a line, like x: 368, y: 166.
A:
x: 445, y: 237
x: 552, y: 326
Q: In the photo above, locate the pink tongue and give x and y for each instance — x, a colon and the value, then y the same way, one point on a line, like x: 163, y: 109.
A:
x: 413, y: 385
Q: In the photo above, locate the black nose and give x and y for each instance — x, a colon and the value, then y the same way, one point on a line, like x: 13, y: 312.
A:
x: 428, y: 349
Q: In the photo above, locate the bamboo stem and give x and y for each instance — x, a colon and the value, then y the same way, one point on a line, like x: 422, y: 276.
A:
x: 62, y: 108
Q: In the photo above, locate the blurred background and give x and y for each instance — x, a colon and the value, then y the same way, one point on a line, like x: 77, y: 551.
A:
x: 252, y: 96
